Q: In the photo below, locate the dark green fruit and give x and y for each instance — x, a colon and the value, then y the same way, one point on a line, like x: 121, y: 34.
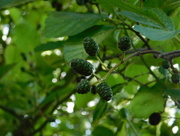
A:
x: 165, y: 64
x: 175, y: 78
x: 105, y: 91
x: 154, y: 118
x: 90, y: 46
x: 82, y: 66
x: 83, y: 86
x: 124, y: 43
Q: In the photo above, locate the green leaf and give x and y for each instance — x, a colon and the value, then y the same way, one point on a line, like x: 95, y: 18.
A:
x: 166, y: 21
x: 139, y: 18
x: 5, y: 68
x: 147, y: 101
x: 11, y: 3
x: 60, y: 24
x: 72, y: 52
x: 49, y: 46
x: 100, y: 110
x: 102, y: 131
x: 156, y: 34
x: 174, y: 93
x: 149, y: 14
x: 25, y: 31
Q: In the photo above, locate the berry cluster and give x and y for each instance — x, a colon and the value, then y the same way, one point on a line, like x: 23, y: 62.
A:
x: 85, y: 68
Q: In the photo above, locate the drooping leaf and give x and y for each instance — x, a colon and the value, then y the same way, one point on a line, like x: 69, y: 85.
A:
x: 60, y: 24
x: 156, y: 34
x: 147, y: 101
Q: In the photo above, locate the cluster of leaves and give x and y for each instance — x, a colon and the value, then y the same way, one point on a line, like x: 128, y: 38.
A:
x: 42, y: 41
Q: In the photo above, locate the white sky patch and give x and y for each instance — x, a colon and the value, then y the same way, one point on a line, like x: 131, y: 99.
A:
x: 57, y: 52
x: 88, y: 132
x: 70, y: 107
x: 58, y: 121
x: 54, y: 80
x: 175, y: 129
x: 53, y: 124
x: 91, y: 103
x: 46, y: 53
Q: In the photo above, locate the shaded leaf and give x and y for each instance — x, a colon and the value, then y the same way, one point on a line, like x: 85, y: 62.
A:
x: 156, y: 34
x: 68, y: 23
x: 49, y: 46
x: 174, y: 93
x: 147, y: 101
x: 102, y: 131
x: 5, y: 68
x: 100, y: 110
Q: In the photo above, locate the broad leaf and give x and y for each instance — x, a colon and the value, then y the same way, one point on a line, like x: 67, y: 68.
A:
x: 167, y: 22
x: 11, y: 3
x: 147, y: 101
x: 69, y: 23
x: 72, y: 52
x: 149, y: 14
x: 156, y: 34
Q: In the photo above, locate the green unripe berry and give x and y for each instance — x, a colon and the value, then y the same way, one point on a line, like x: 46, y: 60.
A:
x: 90, y: 46
x: 105, y: 91
x: 165, y: 64
x: 175, y: 78
x: 83, y: 87
x: 124, y: 43
x: 82, y: 66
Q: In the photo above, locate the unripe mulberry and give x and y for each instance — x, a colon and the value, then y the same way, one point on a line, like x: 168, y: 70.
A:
x: 105, y: 91
x: 90, y: 46
x: 124, y: 43
x: 82, y: 66
x: 83, y: 87
x: 175, y: 78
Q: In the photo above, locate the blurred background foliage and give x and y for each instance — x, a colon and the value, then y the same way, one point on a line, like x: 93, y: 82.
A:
x: 38, y: 39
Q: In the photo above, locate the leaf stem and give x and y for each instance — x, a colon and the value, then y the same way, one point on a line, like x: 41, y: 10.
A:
x: 102, y: 63
x: 113, y: 68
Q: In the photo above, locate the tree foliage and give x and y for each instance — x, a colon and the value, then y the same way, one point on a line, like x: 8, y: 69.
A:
x: 133, y: 86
